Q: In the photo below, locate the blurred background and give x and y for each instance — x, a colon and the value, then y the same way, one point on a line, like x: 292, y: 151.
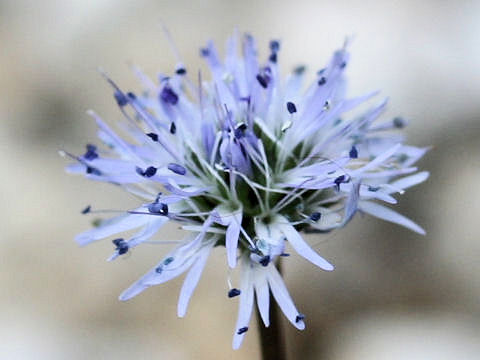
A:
x: 394, y: 294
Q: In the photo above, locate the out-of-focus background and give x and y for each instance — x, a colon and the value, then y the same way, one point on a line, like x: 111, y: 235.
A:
x: 394, y: 294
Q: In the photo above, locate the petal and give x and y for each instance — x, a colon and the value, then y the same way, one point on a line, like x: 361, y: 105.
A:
x: 231, y: 238
x: 281, y: 295
x: 155, y: 278
x: 245, y: 306
x: 263, y: 294
x: 191, y: 280
x: 113, y: 226
x: 409, y: 181
x: 352, y: 202
x: 301, y: 247
x: 387, y: 214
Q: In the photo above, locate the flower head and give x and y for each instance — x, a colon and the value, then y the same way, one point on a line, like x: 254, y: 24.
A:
x: 246, y: 160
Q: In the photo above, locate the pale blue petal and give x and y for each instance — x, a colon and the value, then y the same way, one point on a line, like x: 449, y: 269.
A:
x: 301, y: 247
x: 387, y: 214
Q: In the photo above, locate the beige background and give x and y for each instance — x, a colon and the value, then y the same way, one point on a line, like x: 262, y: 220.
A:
x: 394, y: 295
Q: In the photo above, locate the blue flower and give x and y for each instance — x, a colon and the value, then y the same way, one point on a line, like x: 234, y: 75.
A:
x: 246, y: 160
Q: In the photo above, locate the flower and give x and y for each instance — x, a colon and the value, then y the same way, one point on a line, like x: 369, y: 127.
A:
x: 246, y: 161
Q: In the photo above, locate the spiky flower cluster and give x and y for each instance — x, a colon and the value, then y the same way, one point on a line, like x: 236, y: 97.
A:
x: 246, y: 161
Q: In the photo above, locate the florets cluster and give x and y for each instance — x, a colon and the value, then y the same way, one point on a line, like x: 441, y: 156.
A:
x: 246, y: 160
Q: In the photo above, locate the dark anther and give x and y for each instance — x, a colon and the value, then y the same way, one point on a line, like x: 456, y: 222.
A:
x: 242, y: 330
x: 284, y: 254
x: 262, y: 80
x: 315, y: 216
x: 291, y: 107
x: 299, y: 318
x: 343, y: 65
x: 320, y: 72
x: 322, y: 81
x: 373, y: 188
x: 274, y: 46
x: 240, y: 130
x: 264, y: 261
x: 204, y: 52
x: 120, y: 98
x: 173, y: 128
x: 353, y: 152
x: 94, y: 171
x: 233, y: 292
x: 159, y: 269
x: 168, y: 261
x: 299, y: 70
x: 149, y: 172
x: 158, y: 208
x: 169, y: 96
x: 131, y: 95
x: 86, y: 210
x: 177, y: 169
x: 91, y: 152
x: 121, y: 246
x: 339, y: 180
x: 273, y: 58
x: 153, y: 136
x: 398, y: 122
x: 181, y: 71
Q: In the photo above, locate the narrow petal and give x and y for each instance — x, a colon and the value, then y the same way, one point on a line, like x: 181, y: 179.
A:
x: 191, y: 280
x: 409, y: 181
x: 231, y: 238
x: 387, y: 214
x: 153, y: 277
x: 245, y: 306
x: 352, y: 202
x: 301, y: 247
x: 263, y: 294
x: 113, y: 226
x: 281, y: 295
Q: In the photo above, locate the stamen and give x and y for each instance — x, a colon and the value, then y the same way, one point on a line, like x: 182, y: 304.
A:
x: 86, y: 210
x: 299, y: 70
x: 315, y: 216
x: 274, y: 46
x: 399, y: 122
x: 120, y: 98
x: 339, y: 180
x: 177, y: 169
x: 299, y: 317
x: 181, y: 71
x: 264, y: 261
x: 233, y: 292
x: 353, y: 152
x: 94, y: 171
x: 121, y: 246
x: 153, y: 136
x: 173, y: 128
x: 168, y: 95
x: 291, y: 107
x: 158, y: 208
x: 149, y: 172
x: 262, y: 80
x: 168, y: 261
x: 322, y: 81
x: 242, y: 330
x: 91, y: 152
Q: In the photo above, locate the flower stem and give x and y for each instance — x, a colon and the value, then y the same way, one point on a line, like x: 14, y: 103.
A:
x: 271, y: 338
